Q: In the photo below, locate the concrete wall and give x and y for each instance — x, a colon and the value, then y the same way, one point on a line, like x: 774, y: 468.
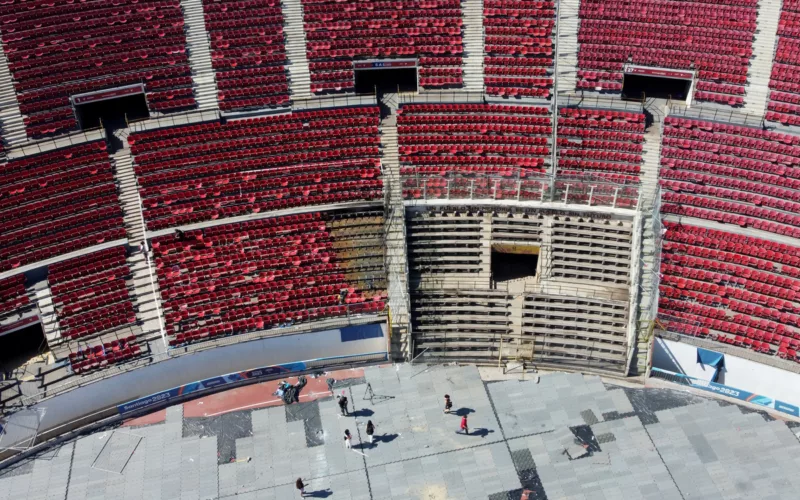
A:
x: 99, y: 400
x: 738, y: 373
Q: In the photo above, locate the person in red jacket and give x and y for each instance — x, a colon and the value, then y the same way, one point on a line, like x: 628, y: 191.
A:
x: 464, y: 427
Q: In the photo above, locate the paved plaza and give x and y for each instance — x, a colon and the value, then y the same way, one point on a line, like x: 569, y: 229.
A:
x: 567, y: 436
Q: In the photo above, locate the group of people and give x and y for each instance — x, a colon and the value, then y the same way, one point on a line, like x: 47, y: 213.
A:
x: 370, y: 430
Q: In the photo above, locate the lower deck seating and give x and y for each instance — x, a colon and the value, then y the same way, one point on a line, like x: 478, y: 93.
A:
x: 341, y: 32
x: 576, y: 331
x: 248, y: 53
x: 92, y: 301
x: 591, y: 250
x: 91, y: 293
x: 474, y: 150
x: 731, y: 288
x: 57, y: 202
x: 270, y: 273
x: 212, y: 170
x: 600, y: 144
x: 519, y: 47
x: 732, y: 174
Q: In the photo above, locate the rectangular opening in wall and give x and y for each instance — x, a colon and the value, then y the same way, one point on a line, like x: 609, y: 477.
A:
x: 385, y: 76
x: 512, y: 262
x: 111, y: 107
x: 19, y: 345
x: 657, y: 83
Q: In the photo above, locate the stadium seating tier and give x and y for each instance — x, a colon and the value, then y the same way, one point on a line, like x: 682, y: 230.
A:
x: 57, y: 49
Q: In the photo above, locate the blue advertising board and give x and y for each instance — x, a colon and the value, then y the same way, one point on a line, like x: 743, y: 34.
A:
x: 163, y: 397
x: 735, y: 393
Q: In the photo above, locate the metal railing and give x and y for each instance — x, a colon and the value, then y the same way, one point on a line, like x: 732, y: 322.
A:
x: 599, y: 102
x: 518, y: 187
x: 717, y: 115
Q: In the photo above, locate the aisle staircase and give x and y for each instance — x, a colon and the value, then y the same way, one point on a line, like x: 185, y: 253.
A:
x: 295, y: 38
x: 472, y: 12
x: 128, y: 191
x: 145, y: 295
x: 764, y: 42
x: 566, y: 46
x: 205, y: 86
x: 649, y: 258
x: 12, y: 126
x: 396, y: 252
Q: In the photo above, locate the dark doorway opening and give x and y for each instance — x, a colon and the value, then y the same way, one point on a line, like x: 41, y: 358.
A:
x: 19, y: 346
x: 515, y: 264
x: 382, y: 81
x: 638, y: 86
x: 112, y: 112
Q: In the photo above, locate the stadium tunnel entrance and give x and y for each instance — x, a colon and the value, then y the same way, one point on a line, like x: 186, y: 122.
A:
x: 385, y: 76
x: 18, y: 347
x: 639, y: 83
x: 511, y: 262
x: 112, y: 109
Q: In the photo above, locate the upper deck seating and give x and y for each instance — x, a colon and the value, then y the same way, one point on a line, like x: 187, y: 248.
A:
x: 714, y: 37
x: 784, y: 82
x: 248, y: 52
x: 519, y: 47
x: 59, y: 48
x: 339, y: 32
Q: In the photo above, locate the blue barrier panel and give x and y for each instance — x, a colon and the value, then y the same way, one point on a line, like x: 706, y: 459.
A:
x: 731, y: 392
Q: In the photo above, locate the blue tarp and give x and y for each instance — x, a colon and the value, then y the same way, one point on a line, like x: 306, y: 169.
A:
x: 713, y: 359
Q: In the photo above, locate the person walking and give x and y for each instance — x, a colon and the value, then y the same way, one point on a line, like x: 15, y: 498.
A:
x: 347, y: 439
x: 448, y: 404
x: 370, y: 431
x: 300, y: 486
x: 343, y: 404
x: 464, y: 426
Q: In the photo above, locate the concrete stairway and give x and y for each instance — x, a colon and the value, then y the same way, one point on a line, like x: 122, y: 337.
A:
x: 12, y: 128
x: 757, y: 88
x: 205, y: 86
x: 566, y: 40
x: 652, y: 151
x: 295, y: 37
x: 396, y: 251
x: 47, y: 312
x: 128, y: 192
x: 472, y: 12
x: 145, y: 295
x: 649, y: 258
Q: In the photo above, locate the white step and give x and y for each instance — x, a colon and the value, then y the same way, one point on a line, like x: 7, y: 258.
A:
x: 145, y: 294
x: 12, y: 126
x: 472, y: 11
x: 566, y: 46
x: 197, y: 45
x: 295, y: 37
x: 757, y: 88
x: 129, y: 196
